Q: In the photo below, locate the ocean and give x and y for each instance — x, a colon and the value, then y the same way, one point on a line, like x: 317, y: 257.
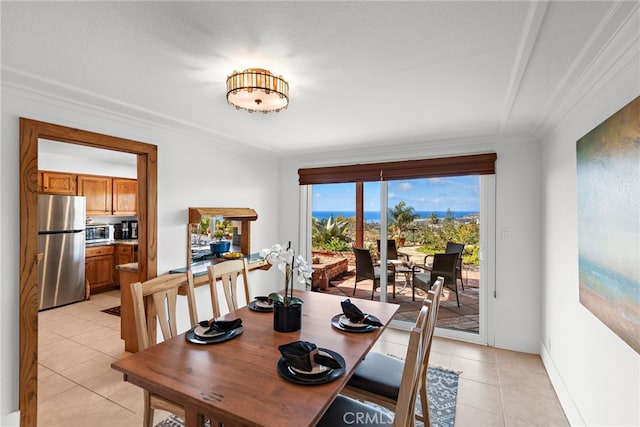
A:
x: 374, y: 216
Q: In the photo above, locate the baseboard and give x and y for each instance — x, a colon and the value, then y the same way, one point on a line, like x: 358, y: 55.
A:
x: 11, y: 420
x: 568, y: 406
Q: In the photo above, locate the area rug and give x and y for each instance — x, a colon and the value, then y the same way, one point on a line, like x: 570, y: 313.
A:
x: 113, y: 310
x: 442, y: 394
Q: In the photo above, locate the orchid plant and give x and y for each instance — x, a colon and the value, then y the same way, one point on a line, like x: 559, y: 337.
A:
x: 288, y: 263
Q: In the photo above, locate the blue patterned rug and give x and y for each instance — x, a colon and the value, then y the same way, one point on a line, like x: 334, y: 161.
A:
x: 442, y: 394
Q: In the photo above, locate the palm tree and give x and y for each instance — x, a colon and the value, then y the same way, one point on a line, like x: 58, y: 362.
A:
x: 401, y: 216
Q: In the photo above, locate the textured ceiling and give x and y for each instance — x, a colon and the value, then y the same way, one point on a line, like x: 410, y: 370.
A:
x: 361, y: 74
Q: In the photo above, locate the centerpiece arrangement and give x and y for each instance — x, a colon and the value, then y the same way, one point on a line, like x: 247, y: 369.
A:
x: 287, y: 309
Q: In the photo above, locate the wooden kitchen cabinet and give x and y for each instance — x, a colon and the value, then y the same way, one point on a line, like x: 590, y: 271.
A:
x: 57, y: 183
x: 124, y: 254
x: 100, y: 267
x: 125, y: 196
x: 97, y: 190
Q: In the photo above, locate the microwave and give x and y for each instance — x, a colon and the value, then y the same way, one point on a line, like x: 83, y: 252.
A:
x: 99, y: 233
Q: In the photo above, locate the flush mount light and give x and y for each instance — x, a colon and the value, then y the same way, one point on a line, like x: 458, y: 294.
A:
x: 256, y: 89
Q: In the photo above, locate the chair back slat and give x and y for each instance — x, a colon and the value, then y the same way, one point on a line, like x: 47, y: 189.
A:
x: 228, y: 273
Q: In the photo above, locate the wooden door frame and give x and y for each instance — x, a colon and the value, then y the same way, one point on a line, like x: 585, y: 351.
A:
x: 147, y: 170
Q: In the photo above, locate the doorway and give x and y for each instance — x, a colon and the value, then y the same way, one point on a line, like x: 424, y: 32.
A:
x: 146, y: 164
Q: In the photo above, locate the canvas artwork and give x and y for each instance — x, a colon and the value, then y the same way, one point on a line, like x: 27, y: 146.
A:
x: 608, y: 168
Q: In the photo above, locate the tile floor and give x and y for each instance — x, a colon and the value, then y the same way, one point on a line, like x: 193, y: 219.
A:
x: 77, y: 387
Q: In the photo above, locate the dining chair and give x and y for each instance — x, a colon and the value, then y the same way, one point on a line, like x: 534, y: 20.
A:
x: 444, y: 265
x: 365, y: 270
x: 392, y: 251
x: 161, y: 308
x: 377, y: 379
x: 228, y: 272
x: 344, y: 409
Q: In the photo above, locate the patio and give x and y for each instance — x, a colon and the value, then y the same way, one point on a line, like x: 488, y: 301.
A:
x: 465, y: 317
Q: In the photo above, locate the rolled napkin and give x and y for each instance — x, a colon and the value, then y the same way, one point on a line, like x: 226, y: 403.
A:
x: 356, y: 315
x: 220, y: 325
x: 304, y: 355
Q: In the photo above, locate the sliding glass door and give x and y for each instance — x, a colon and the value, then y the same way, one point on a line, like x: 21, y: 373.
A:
x: 417, y: 217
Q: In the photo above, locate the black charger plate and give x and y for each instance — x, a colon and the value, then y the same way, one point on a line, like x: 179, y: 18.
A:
x: 332, y: 374
x: 254, y: 307
x: 335, y: 322
x: 193, y: 338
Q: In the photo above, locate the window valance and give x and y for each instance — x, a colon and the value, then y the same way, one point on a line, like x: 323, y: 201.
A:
x: 477, y: 164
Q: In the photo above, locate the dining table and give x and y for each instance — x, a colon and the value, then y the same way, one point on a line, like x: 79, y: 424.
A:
x: 238, y: 382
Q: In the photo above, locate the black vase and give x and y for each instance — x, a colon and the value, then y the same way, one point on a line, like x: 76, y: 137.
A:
x: 287, y: 318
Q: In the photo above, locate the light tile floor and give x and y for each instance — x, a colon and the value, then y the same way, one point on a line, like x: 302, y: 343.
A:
x: 77, y: 387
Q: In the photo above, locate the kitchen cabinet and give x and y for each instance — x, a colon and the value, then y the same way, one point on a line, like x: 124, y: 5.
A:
x: 97, y: 190
x: 57, y: 183
x: 100, y: 267
x: 124, y: 254
x: 125, y: 196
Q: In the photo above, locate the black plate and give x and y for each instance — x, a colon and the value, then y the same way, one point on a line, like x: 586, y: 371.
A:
x: 254, y: 307
x: 335, y: 322
x: 332, y: 374
x: 193, y: 338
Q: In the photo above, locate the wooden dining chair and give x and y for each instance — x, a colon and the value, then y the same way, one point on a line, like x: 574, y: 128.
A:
x: 344, y: 409
x: 228, y: 272
x: 377, y: 379
x: 365, y: 270
x: 162, y: 293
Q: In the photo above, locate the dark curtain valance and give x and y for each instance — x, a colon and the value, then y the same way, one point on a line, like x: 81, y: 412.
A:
x: 477, y: 164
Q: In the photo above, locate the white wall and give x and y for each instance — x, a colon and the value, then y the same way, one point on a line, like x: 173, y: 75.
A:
x: 185, y: 178
x: 596, y: 375
x: 515, y: 313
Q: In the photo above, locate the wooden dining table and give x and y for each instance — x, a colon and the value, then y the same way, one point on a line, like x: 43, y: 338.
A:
x: 237, y: 383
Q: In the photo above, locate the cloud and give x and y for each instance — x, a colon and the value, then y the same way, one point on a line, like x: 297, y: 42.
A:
x: 404, y: 186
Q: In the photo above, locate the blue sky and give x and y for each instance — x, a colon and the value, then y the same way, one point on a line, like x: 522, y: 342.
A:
x: 460, y: 193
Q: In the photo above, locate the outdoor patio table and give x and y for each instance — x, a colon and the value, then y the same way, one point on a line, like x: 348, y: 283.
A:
x: 237, y: 382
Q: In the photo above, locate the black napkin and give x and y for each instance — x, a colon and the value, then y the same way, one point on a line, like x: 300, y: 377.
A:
x: 356, y: 315
x: 264, y: 299
x: 220, y: 325
x: 304, y: 355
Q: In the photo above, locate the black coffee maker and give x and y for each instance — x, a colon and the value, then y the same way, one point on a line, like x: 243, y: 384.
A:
x: 126, y: 229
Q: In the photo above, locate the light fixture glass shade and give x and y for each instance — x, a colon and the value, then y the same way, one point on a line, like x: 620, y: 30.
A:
x: 256, y: 89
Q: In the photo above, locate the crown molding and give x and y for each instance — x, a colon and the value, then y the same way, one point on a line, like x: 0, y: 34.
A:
x: 617, y: 42
x: 35, y: 88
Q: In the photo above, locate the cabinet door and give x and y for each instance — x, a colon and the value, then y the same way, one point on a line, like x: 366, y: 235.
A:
x: 97, y: 190
x: 58, y: 183
x: 123, y: 255
x: 100, y: 271
x: 125, y: 196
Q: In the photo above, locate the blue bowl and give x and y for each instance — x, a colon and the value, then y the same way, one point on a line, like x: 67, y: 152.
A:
x: 220, y: 247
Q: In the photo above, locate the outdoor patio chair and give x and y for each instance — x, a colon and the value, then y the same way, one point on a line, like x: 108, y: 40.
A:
x: 454, y: 248
x: 399, y: 261
x: 365, y: 270
x: 444, y: 265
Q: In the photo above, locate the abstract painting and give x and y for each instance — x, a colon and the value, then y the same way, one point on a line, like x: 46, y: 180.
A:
x: 608, y: 178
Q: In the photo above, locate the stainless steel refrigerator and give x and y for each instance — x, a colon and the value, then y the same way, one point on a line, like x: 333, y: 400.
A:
x: 61, y: 240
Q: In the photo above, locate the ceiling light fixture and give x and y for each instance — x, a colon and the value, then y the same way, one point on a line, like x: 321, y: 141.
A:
x: 256, y: 89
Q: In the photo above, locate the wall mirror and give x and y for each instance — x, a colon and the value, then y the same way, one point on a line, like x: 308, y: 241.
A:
x: 212, y: 232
